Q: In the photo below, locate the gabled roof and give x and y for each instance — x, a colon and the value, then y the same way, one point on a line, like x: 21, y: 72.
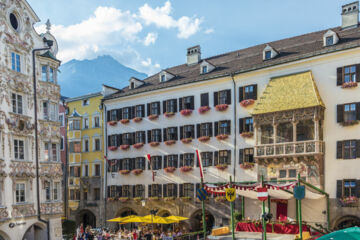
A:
x: 75, y: 114
x: 287, y: 93
x: 251, y: 59
x: 48, y: 54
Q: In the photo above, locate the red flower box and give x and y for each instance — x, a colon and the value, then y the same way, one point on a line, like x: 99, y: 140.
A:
x: 124, y: 147
x: 247, y: 134
x: 154, y: 144
x: 186, y: 169
x: 124, y: 121
x: 137, y: 119
x: 246, y: 165
x: 170, y: 169
x: 186, y: 140
x: 153, y: 117
x: 349, y: 123
x: 247, y: 102
x: 169, y: 114
x: 349, y: 85
x: 186, y: 112
x: 349, y: 200
x: 203, y: 109
x: 137, y: 171
x: 204, y: 138
x: 170, y: 142
x: 138, y: 145
x: 112, y: 148
x: 222, y: 137
x: 112, y: 123
x: 124, y: 172
x: 221, y: 107
x: 222, y: 167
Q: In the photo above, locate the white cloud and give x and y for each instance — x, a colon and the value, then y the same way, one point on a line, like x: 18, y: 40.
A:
x: 209, y: 31
x: 188, y: 26
x: 150, y: 38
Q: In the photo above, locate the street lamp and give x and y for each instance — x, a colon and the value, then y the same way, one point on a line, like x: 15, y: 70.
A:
x: 49, y: 44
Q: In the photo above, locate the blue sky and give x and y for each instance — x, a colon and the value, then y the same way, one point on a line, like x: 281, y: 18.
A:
x: 154, y: 34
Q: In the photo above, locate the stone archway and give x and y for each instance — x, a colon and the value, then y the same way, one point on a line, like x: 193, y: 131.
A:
x: 347, y: 221
x: 124, y: 212
x: 165, y: 227
x: 86, y: 217
x: 4, y: 236
x: 35, y: 231
x: 196, y: 220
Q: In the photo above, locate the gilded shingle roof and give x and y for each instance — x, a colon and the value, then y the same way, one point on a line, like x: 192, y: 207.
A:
x: 288, y: 92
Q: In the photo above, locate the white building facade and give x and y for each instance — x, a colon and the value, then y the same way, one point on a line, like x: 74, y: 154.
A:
x: 23, y: 188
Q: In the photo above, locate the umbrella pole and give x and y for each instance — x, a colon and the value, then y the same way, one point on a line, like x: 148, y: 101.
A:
x: 232, y: 214
x: 263, y: 212
x: 300, y: 216
x: 203, y: 211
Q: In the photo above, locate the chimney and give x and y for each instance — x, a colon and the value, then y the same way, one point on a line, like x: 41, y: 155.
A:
x: 193, y: 55
x: 350, y: 15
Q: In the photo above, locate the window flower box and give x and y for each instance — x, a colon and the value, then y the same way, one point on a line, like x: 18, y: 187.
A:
x: 349, y: 85
x: 170, y: 169
x: 204, y: 138
x: 186, y: 199
x: 124, y: 147
x: 124, y: 172
x: 137, y: 171
x: 138, y: 145
x: 124, y: 199
x: 168, y: 199
x: 137, y: 119
x: 112, y: 123
x: 221, y: 107
x: 203, y: 109
x: 186, y: 140
x: 154, y: 198
x: 154, y: 144
x: 169, y: 114
x: 153, y: 117
x: 247, y: 102
x: 186, y: 112
x: 124, y: 121
x: 349, y: 200
x: 111, y: 199
x: 350, y: 122
x: 246, y: 134
x: 170, y: 142
x: 220, y: 199
x: 222, y: 167
x: 186, y: 169
x: 247, y: 165
x: 138, y: 199
x: 112, y: 148
x: 222, y: 137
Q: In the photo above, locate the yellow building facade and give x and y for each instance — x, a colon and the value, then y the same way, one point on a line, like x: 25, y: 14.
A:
x: 85, y: 158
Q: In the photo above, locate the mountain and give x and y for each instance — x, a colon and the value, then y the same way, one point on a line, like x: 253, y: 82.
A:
x: 78, y: 78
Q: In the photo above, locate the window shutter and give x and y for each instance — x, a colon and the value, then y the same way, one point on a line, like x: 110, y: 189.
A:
x: 211, y: 158
x: 229, y: 157
x: 193, y: 158
x: 216, y: 126
x: 164, y: 134
x: 132, y: 163
x: 143, y: 110
x: 339, y: 80
x: 198, y: 130
x: 193, y: 131
x: 358, y: 111
x: 148, y: 109
x: 358, y: 148
x: 108, y: 116
x: 192, y: 103
x: 165, y: 190
x: 165, y: 161
x: 340, y: 113
x: 357, y: 72
x: 149, y: 136
x: 160, y: 161
x: 143, y: 163
x: 109, y: 141
x: 241, y: 94
x: 241, y: 125
x: 176, y: 133
x: 176, y: 190
x: 181, y: 132
x: 133, y: 191
x: 241, y: 156
x: 228, y: 129
x: 108, y: 191
x: 339, y: 149
x: 118, y: 139
x: 197, y: 187
x: 164, y: 106
x: 180, y: 104
x: 158, y: 107
x: 204, y: 99
x: 160, y: 134
x: 119, y: 114
x: 216, y: 101
x: 357, y: 188
x: 216, y: 158
x: 159, y: 187
x: 255, y: 92
x: 132, y: 138
x: 149, y: 190
x: 181, y: 160
x: 228, y: 96
x: 339, y: 188
x: 181, y: 190
x: 132, y: 115
x: 211, y: 129
x: 197, y: 161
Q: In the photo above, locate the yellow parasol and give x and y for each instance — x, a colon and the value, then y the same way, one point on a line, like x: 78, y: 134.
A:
x: 176, y: 218
x: 133, y: 219
x: 157, y: 219
x: 124, y: 219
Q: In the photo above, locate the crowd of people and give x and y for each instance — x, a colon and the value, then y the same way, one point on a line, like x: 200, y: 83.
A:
x: 143, y: 233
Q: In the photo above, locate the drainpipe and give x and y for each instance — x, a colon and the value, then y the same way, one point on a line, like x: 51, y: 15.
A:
x: 49, y: 43
x: 106, y: 162
x: 235, y: 125
x: 66, y: 162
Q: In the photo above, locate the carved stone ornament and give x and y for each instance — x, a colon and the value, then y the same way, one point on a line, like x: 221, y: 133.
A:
x: 4, y: 214
x: 49, y: 130
x: 52, y: 171
x: 2, y: 170
x: 20, y: 124
x: 51, y: 208
x: 23, y: 210
x: 22, y: 170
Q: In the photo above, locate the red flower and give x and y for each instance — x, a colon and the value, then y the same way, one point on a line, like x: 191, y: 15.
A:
x: 154, y: 144
x: 124, y: 172
x: 186, y: 169
x: 247, y: 102
x: 152, y: 117
x: 170, y: 142
x: 246, y: 165
x: 186, y: 140
x: 138, y: 145
x: 137, y: 171
x: 222, y: 137
x: 169, y: 114
x: 204, y: 138
x: 221, y: 167
x: 124, y: 121
x: 112, y: 123
x: 247, y: 134
x: 112, y: 148
x: 221, y: 107
x: 349, y: 85
x: 170, y: 169
x: 137, y: 119
x: 203, y: 109
x: 186, y: 112
x: 124, y: 147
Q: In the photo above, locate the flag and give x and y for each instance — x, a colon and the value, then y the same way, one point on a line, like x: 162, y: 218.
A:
x: 153, y: 173
x: 200, y: 164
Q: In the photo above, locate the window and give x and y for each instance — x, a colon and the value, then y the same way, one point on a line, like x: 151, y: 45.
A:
x: 329, y: 40
x: 62, y: 144
x: 246, y: 155
x: 13, y: 21
x: 222, y: 127
x: 86, y: 145
x: 292, y: 173
x: 85, y: 194
x: 86, y: 171
x: 170, y: 190
x: 222, y: 97
x: 266, y: 134
x: 163, y: 78
x: 204, y: 129
x: 44, y: 73
x: 113, y: 115
x: 187, y: 159
x: 56, y: 191
x: 113, y: 140
x: 97, y: 170
x: 126, y: 113
x: 155, y: 190
x: 86, y: 123
x: 96, y: 122
x: 140, y: 137
x: 188, y: 190
x: 224, y: 157
x: 139, y: 191
x: 74, y: 124
x: 50, y: 111
x: 85, y: 102
x: 139, y: 111
x: 282, y: 173
x: 47, y: 191
x: 349, y: 188
x: 248, y: 92
x: 156, y: 135
x: 61, y: 120
x: 204, y: 69
x: 171, y: 133
x: 75, y: 194
x: 96, y: 194
x: 156, y: 162
x: 125, y: 164
x: 51, y: 75
x: 349, y: 149
x: 97, y: 144
x: 154, y: 108
x: 75, y: 147
x: 54, y: 152
x: 187, y: 132
x: 20, y: 193
x: 170, y: 106
x: 171, y: 161
x: 186, y: 103
x: 207, y: 159
x: 204, y: 99
x: 287, y: 173
x: 47, y: 74
x: 15, y: 62
x: 350, y: 74
x: 140, y: 163
x: 349, y: 112
x: 127, y: 138
x: 19, y: 149
x: 17, y: 103
x: 132, y: 85
x: 246, y: 125
x: 267, y: 55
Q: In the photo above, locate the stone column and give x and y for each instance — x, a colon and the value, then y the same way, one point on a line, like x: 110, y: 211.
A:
x: 294, y: 123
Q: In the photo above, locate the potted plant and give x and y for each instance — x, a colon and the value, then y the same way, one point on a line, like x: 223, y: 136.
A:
x: 186, y: 140
x: 124, y: 172
x: 112, y: 123
x: 221, y: 167
x: 154, y: 144
x: 124, y: 199
x: 153, y: 117
x: 203, y: 109
x: 349, y: 122
x: 170, y: 142
x: 112, y: 148
x: 221, y: 107
x: 186, y: 168
x: 349, y: 85
x: 137, y: 171
x: 246, y: 134
x: 222, y: 136
x: 170, y: 169
x: 124, y: 147
x: 124, y: 121
x: 204, y: 138
x: 137, y: 119
x: 247, y: 165
x: 169, y: 114
x: 138, y: 145
x: 247, y: 102
x: 186, y: 112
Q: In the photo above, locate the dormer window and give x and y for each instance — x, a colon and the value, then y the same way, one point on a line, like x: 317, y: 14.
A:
x: 163, y: 78
x: 330, y: 38
x: 267, y: 55
x: 132, y: 85
x: 85, y: 102
x: 204, y: 69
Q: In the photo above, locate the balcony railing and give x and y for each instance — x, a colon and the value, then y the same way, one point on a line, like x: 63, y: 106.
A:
x: 289, y: 149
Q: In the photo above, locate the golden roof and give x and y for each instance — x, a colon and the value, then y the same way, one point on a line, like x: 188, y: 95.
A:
x: 288, y: 92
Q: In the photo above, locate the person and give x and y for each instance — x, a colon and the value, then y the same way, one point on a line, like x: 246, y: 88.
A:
x: 134, y: 234
x: 148, y: 235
